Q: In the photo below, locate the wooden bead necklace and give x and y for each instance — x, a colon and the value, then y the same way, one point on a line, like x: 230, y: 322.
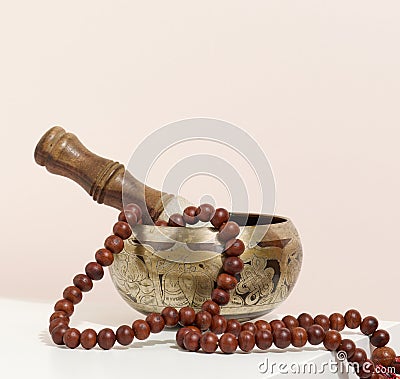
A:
x: 200, y: 330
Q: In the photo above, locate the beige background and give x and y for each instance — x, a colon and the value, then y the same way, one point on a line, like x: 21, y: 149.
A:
x: 317, y: 84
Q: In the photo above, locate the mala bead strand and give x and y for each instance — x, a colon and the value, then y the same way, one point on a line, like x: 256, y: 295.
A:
x: 200, y: 330
x: 59, y: 328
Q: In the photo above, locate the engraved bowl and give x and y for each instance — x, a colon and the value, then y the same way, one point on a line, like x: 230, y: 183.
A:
x: 174, y: 266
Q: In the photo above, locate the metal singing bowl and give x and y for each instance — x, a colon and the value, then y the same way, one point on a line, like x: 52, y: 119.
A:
x: 178, y: 267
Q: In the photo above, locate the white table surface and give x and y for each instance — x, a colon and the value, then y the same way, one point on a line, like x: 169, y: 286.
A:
x: 27, y: 352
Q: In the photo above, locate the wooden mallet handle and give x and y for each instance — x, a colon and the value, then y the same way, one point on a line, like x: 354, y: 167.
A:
x: 63, y: 154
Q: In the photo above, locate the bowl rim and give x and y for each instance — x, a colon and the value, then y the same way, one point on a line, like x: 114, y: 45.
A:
x: 208, y: 234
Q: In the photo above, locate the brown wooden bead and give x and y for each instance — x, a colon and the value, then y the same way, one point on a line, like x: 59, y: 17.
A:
x: 369, y: 325
x: 299, y: 336
x: 129, y: 217
x: 226, y: 282
x: 233, y: 265
x: 316, y: 334
x: 161, y: 223
x: 73, y: 294
x: 359, y: 356
x: 246, y: 340
x: 282, y: 338
x: 262, y: 325
x: 263, y: 339
x: 191, y: 341
x: 83, y: 282
x: 176, y: 220
x: 58, y: 333
x: 141, y: 329
x: 384, y: 356
x: 156, y: 322
x: 323, y: 321
x: 57, y: 322
x: 233, y: 327
x: 114, y: 243
x: 396, y: 366
x: 234, y: 247
x: 218, y: 324
x: 88, y: 339
x: 65, y: 306
x: 194, y: 328
x: 58, y: 314
x: 229, y: 231
x: 122, y: 229
x: 205, y: 212
x: 104, y: 257
x: 71, y: 338
x: 106, y: 338
x: 125, y: 335
x: 348, y: 346
x: 249, y: 326
x: 366, y: 370
x: 276, y: 324
x: 220, y: 296
x: 380, y: 338
x: 211, y: 307
x: 121, y: 216
x: 378, y: 376
x: 337, y: 321
x: 221, y: 215
x: 187, y: 316
x: 228, y: 343
x: 203, y: 320
x: 180, y: 334
x: 171, y: 316
x: 94, y: 271
x: 352, y: 318
x: 189, y: 215
x: 290, y: 322
x: 135, y: 209
x: 305, y: 320
x: 332, y: 340
x: 209, y: 342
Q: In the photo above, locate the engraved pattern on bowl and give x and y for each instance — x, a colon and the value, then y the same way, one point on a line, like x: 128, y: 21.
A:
x: 160, y: 272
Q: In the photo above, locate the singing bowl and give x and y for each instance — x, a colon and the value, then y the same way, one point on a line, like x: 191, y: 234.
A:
x: 174, y: 266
